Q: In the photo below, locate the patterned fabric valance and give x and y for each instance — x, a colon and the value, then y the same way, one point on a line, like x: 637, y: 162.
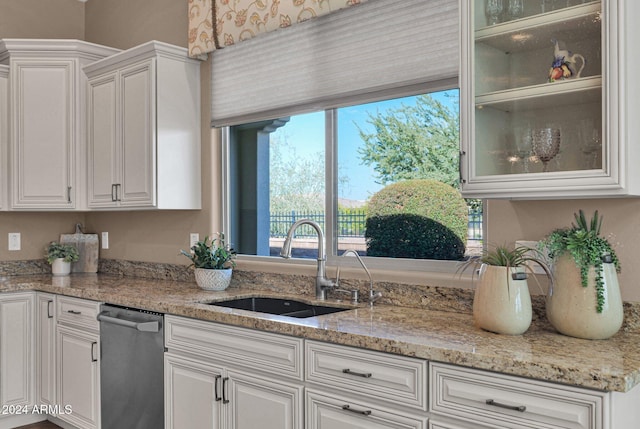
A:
x: 237, y: 20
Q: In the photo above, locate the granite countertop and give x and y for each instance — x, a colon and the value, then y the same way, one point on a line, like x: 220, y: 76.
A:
x: 541, y: 353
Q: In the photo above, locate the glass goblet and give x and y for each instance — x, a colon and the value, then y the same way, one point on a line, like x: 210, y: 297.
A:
x: 546, y: 145
x: 493, y: 11
x: 515, y: 9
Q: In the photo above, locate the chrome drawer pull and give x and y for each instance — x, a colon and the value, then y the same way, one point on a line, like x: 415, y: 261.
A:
x: 359, y: 374
x: 520, y: 408
x: 74, y: 312
x: 364, y: 413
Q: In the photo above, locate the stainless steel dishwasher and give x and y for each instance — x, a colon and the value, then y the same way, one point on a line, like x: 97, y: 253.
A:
x: 131, y: 368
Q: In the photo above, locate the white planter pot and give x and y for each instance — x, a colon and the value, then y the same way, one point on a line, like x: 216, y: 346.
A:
x: 213, y: 279
x: 500, y: 303
x: 60, y: 267
x: 571, y: 307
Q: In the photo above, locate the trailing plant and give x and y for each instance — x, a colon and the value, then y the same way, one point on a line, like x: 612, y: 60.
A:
x: 587, y: 248
x: 56, y: 250
x: 211, y: 253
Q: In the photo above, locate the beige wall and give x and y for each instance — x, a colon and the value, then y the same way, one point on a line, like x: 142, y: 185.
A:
x: 42, y: 19
x: 127, y: 23
x: 144, y: 235
x: 158, y: 236
x: 532, y: 220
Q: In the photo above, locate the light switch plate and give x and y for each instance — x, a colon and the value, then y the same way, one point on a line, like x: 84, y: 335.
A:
x: 105, y: 240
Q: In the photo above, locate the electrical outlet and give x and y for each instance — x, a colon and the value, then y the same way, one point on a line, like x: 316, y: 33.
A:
x: 14, y: 241
x: 194, y: 237
x: 105, y: 240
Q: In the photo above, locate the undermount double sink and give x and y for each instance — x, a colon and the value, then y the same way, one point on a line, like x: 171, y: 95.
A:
x: 279, y: 306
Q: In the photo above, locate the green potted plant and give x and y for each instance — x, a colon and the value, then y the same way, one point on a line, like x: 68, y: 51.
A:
x: 501, y: 302
x: 60, y: 257
x: 213, y: 260
x: 586, y: 300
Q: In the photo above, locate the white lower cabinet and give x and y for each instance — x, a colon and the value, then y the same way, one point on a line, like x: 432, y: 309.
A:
x: 218, y: 376
x: 78, y: 367
x: 353, y: 388
x: 475, y: 397
x: 16, y: 349
x: 192, y: 393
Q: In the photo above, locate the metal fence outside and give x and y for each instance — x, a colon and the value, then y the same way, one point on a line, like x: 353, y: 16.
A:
x: 350, y: 223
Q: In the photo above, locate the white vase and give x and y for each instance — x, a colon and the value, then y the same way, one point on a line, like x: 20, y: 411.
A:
x: 213, y: 279
x: 500, y: 303
x: 59, y: 267
x: 572, y: 308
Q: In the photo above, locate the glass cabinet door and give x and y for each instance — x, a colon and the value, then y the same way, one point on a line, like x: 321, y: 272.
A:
x: 534, y: 77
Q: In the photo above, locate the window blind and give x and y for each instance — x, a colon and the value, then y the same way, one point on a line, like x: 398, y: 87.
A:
x: 356, y: 55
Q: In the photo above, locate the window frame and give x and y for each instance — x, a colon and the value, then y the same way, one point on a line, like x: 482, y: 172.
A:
x: 331, y: 191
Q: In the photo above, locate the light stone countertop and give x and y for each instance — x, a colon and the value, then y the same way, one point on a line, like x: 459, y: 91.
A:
x: 541, y: 353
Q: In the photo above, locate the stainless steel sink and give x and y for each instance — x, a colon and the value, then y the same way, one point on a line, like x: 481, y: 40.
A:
x: 279, y: 306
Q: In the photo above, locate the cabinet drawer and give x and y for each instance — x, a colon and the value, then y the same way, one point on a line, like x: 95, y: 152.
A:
x: 78, y: 312
x: 512, y: 402
x: 373, y: 374
x: 245, y: 348
x: 325, y: 411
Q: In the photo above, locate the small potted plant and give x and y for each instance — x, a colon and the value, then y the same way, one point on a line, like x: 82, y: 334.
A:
x: 213, y: 260
x: 501, y: 302
x: 60, y: 257
x: 586, y: 300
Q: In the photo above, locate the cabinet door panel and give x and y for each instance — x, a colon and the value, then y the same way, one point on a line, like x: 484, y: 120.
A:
x: 43, y: 141
x: 103, y: 141
x: 45, y: 350
x: 257, y: 402
x: 4, y: 134
x: 138, y: 135
x: 79, y: 376
x: 16, y: 349
x: 190, y: 394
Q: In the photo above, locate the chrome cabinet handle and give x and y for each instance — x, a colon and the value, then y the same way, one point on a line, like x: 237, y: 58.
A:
x: 93, y: 354
x: 74, y: 312
x: 361, y: 412
x: 216, y: 382
x: 520, y: 408
x: 358, y: 374
x: 68, y: 194
x: 224, y: 390
x: 114, y: 194
x: 49, y: 314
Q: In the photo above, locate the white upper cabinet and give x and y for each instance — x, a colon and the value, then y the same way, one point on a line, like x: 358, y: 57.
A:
x: 4, y: 134
x: 144, y: 129
x: 544, y: 98
x: 47, y: 156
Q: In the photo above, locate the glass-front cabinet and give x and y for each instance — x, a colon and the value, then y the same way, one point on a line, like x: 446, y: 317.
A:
x: 544, y: 96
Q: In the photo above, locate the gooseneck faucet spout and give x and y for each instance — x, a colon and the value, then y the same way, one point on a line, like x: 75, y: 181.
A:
x: 373, y: 295
x: 322, y: 282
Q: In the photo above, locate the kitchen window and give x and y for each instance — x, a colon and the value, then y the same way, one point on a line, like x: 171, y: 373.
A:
x: 326, y: 166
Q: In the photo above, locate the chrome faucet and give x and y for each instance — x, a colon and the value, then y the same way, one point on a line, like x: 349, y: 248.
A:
x: 322, y: 282
x: 373, y: 295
